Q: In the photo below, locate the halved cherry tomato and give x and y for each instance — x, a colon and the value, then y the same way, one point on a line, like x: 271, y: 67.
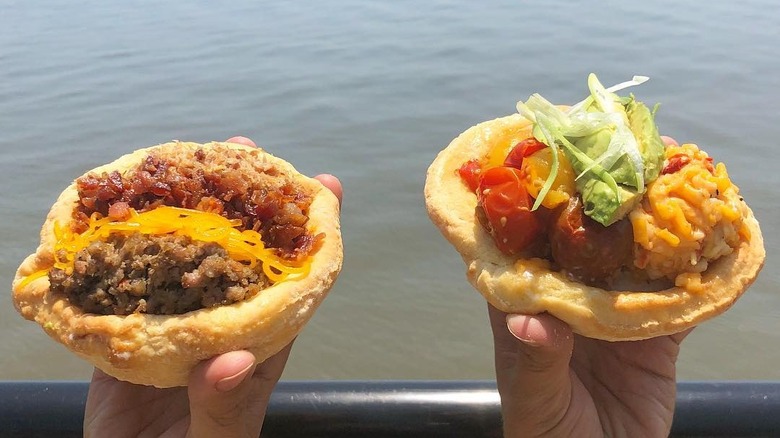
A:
x: 522, y: 150
x: 536, y: 169
x: 507, y: 206
x: 469, y: 172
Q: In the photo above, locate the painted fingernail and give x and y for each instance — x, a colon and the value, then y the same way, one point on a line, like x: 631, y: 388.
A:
x: 230, y: 383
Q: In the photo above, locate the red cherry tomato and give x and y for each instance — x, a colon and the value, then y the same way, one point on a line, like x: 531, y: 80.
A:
x: 521, y: 150
x: 469, y: 172
x: 507, y: 208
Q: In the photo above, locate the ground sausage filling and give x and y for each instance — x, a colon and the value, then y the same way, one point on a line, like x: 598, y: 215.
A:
x: 169, y: 274
x: 155, y: 274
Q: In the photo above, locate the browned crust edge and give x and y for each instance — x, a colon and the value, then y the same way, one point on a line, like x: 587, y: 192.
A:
x: 528, y: 286
x: 160, y: 350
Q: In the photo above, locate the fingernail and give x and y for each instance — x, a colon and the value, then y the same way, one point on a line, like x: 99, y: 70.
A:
x: 230, y: 383
x: 522, y: 328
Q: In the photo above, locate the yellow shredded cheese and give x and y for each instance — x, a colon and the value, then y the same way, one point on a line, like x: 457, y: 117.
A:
x: 670, y: 238
x: 244, y: 246
x: 32, y: 277
x: 689, y: 217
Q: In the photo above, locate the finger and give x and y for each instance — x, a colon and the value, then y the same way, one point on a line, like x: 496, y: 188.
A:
x: 332, y: 183
x: 241, y: 140
x: 267, y: 374
x: 94, y: 402
x: 229, y: 394
x: 219, y: 392
x: 98, y: 376
x: 679, y: 337
x: 532, y: 369
x: 669, y: 141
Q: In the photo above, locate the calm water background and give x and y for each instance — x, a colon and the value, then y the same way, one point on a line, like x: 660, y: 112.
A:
x: 371, y: 92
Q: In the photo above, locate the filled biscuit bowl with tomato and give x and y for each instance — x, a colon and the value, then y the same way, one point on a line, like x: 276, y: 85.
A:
x: 585, y: 212
x: 178, y: 252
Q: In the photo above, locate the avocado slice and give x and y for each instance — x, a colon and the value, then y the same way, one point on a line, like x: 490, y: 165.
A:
x: 600, y: 204
x: 651, y: 146
x: 611, y: 142
x: 595, y: 144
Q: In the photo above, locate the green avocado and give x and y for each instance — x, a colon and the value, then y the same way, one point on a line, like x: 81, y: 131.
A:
x: 600, y: 203
x: 611, y: 142
x: 595, y: 144
x: 642, y: 124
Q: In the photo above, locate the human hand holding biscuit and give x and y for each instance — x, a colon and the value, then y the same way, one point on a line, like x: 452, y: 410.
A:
x: 226, y: 396
x: 555, y: 383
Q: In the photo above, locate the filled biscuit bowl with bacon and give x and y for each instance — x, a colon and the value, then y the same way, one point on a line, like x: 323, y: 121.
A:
x: 178, y: 252
x: 584, y: 212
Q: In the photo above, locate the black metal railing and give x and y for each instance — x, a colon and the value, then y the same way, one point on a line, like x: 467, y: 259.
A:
x: 401, y: 409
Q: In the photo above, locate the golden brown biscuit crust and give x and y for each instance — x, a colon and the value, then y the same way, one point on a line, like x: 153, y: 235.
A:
x: 160, y: 350
x: 529, y: 286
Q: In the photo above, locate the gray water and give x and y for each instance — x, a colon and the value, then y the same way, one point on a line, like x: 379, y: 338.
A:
x: 370, y: 92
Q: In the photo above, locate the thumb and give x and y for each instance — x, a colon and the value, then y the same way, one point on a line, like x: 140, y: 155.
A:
x: 532, y: 354
x: 229, y: 394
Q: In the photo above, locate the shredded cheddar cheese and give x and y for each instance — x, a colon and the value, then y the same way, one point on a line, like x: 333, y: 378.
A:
x: 32, y: 277
x: 245, y: 246
x: 689, y: 216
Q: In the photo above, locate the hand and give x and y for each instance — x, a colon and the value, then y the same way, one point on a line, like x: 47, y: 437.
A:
x: 554, y: 383
x: 226, y: 396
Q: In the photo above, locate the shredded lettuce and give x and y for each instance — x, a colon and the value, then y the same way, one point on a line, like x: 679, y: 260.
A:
x: 548, y: 139
x: 636, y: 80
x: 601, y: 110
x: 623, y: 141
